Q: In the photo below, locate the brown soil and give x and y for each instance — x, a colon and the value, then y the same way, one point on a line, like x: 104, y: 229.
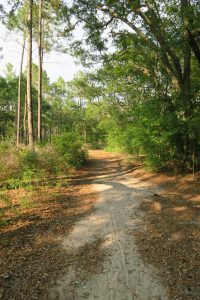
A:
x: 134, y: 223
x: 30, y: 241
x: 119, y: 272
x: 171, y: 239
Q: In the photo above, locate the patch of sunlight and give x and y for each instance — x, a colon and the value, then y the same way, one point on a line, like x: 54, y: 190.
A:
x: 103, y: 187
x: 109, y: 239
x: 195, y: 198
x: 99, y: 220
x: 85, y: 230
x: 179, y: 208
x: 156, y: 206
x: 176, y: 236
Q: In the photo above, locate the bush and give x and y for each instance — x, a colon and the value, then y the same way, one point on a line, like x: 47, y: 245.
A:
x: 70, y: 146
x: 20, y: 167
x: 10, y: 165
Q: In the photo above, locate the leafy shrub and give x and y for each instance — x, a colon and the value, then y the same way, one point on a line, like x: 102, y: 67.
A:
x: 19, y: 167
x: 49, y: 160
x: 156, y: 134
x: 70, y: 146
x: 10, y: 164
x: 13, y: 183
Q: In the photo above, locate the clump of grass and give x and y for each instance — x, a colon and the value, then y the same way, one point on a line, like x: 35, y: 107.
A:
x: 5, y: 203
x: 4, y: 222
x: 5, y: 200
x: 26, y: 202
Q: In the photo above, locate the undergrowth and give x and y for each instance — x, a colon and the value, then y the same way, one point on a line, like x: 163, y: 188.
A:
x: 26, y: 168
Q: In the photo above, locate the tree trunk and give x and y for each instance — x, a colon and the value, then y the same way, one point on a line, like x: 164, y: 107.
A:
x: 29, y: 76
x: 19, y: 91
x: 25, y: 112
x: 50, y: 131
x: 194, y: 45
x: 187, y: 58
x: 186, y: 87
x: 40, y: 54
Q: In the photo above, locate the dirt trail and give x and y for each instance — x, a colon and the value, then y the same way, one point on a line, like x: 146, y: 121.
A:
x: 119, y: 272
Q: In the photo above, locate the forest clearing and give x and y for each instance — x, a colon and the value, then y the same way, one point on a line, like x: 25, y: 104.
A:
x: 99, y: 149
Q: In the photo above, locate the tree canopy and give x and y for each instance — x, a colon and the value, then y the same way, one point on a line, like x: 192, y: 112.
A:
x: 140, y: 89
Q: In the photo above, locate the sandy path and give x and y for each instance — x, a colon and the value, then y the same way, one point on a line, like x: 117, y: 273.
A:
x: 123, y: 274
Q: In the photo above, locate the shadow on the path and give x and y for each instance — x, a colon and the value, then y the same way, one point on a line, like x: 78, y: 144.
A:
x: 172, y: 224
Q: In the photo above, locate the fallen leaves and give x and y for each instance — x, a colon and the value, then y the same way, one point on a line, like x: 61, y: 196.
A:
x: 171, y: 238
x: 32, y: 256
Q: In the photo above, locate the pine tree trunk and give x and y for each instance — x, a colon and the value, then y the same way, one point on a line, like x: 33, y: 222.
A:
x: 40, y: 54
x: 19, y: 92
x: 25, y: 112
x: 29, y: 76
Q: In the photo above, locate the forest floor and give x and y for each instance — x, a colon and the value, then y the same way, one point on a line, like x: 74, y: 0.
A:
x: 111, y: 231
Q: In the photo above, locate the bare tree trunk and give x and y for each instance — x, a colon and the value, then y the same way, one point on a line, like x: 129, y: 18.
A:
x: 19, y: 91
x: 186, y: 88
x: 29, y: 76
x: 40, y: 54
x: 85, y: 133
x: 25, y: 112
x: 50, y: 132
x: 187, y: 56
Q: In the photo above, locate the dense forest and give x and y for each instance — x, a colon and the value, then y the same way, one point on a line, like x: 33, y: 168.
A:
x: 139, y: 92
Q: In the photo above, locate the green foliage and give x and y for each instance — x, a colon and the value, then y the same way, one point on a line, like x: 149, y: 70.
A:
x: 151, y: 133
x: 143, y: 99
x: 9, y: 161
x: 70, y: 146
x: 13, y: 183
x: 5, y: 203
x: 147, y: 89
x: 26, y: 167
x: 26, y: 202
x: 5, y: 199
x: 29, y: 158
x: 4, y: 222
